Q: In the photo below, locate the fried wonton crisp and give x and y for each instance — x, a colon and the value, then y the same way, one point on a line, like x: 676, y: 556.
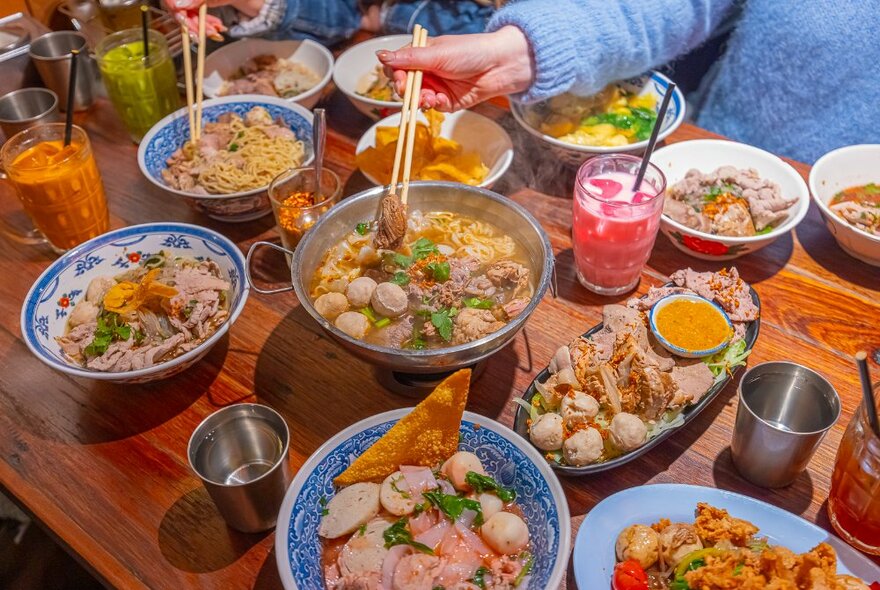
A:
x: 426, y: 436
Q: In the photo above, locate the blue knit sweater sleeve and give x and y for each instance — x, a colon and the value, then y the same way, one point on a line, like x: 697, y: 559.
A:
x: 581, y: 45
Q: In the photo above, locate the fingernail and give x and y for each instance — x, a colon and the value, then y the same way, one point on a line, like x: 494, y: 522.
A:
x: 383, y: 55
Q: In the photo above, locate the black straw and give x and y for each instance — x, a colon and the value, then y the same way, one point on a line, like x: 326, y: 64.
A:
x: 71, y: 97
x: 661, y: 116
x: 145, y: 27
x: 868, y: 392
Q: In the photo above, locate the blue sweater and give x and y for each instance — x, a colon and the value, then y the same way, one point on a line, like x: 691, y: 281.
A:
x: 797, y: 78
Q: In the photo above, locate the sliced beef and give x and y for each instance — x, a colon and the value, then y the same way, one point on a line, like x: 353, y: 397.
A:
x: 515, y: 307
x: 472, y: 324
x: 480, y: 286
x: 507, y: 273
x: 192, y: 280
x: 686, y: 215
x: 77, y: 339
x: 450, y: 292
x: 654, y: 295
x: 725, y: 287
x: 693, y: 379
x: 395, y: 334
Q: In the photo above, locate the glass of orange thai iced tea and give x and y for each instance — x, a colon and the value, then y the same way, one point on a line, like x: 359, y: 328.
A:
x: 59, y: 186
x: 854, y: 501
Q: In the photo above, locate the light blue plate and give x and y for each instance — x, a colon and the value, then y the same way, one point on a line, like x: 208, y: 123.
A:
x: 504, y: 454
x: 594, y: 557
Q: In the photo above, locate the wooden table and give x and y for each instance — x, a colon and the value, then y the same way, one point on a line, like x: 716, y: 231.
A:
x: 103, y: 467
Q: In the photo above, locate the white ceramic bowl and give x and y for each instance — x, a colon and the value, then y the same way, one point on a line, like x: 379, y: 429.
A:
x: 222, y: 64
x: 840, y: 169
x: 650, y: 83
x: 54, y: 294
x: 354, y: 66
x: 677, y: 350
x: 708, y: 154
x: 170, y: 133
x: 474, y: 132
x: 506, y: 456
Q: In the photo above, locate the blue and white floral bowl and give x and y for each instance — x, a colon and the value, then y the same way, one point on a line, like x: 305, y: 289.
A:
x: 506, y: 456
x: 170, y: 133
x: 653, y: 83
x: 52, y: 297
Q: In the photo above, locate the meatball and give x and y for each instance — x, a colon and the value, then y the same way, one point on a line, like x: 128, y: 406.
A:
x: 676, y: 541
x: 546, y: 432
x: 506, y: 533
x: 353, y: 323
x: 638, y: 542
x: 578, y: 409
x: 583, y: 447
x: 84, y: 312
x: 330, y: 305
x: 390, y: 300
x: 628, y: 432
x: 458, y: 466
x: 97, y: 288
x: 359, y: 291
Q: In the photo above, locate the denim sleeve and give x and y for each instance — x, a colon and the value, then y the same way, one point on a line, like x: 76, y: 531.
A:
x: 325, y: 21
x: 582, y: 45
x: 440, y: 17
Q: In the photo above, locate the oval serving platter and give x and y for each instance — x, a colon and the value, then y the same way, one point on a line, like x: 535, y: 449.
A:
x: 520, y: 424
x: 594, y: 557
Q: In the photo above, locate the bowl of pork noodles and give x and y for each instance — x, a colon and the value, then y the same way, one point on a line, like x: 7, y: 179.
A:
x: 472, y: 268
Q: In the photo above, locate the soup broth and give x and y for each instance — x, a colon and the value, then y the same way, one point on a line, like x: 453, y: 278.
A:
x: 859, y: 206
x: 456, y: 279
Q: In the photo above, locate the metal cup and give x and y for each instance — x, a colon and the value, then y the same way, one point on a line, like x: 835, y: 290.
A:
x: 241, y: 455
x: 51, y: 56
x: 784, y: 412
x: 26, y: 108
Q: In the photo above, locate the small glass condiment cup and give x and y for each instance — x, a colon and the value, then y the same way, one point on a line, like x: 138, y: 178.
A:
x: 294, y: 202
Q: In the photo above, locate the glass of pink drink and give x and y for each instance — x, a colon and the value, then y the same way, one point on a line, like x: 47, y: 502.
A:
x: 614, y: 226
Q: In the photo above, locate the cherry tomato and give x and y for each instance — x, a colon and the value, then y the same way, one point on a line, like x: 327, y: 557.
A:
x: 629, y: 575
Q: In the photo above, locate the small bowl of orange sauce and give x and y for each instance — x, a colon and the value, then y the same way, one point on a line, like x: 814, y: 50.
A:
x: 690, y: 326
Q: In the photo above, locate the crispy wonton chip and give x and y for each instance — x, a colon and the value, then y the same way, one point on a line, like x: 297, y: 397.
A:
x: 434, y: 157
x: 426, y: 436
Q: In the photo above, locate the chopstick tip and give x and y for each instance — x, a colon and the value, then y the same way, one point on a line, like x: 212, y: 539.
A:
x: 861, y: 355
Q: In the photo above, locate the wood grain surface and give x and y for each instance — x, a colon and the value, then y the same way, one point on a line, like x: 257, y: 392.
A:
x: 103, y: 467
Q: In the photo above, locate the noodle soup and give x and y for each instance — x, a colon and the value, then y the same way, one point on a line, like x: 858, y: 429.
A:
x: 455, y: 280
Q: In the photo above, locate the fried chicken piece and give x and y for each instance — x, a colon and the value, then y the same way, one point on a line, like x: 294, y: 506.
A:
x: 715, y: 524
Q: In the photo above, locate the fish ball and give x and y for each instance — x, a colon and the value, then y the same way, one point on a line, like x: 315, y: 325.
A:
x: 490, y: 504
x: 353, y: 323
x: 458, y: 466
x: 578, y: 409
x: 506, y: 533
x: 330, y: 305
x: 546, y: 432
x: 583, y: 447
x: 628, y: 432
x: 638, y: 542
x: 359, y: 291
x: 390, y: 300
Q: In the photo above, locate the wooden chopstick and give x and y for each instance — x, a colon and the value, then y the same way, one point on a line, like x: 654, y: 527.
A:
x: 188, y: 80
x: 413, y: 119
x: 200, y: 68
x: 404, y: 118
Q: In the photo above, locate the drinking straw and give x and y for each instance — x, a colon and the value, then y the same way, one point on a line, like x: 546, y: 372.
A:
x: 868, y: 391
x: 71, y: 91
x: 145, y: 27
x: 658, y: 123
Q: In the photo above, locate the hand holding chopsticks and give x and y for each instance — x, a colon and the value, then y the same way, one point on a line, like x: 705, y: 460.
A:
x: 392, y: 213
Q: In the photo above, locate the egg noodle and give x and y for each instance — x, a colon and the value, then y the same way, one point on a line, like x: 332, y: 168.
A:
x: 258, y: 158
x: 465, y: 235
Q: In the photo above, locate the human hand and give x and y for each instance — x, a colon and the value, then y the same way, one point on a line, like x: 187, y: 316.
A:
x: 186, y: 12
x: 463, y: 70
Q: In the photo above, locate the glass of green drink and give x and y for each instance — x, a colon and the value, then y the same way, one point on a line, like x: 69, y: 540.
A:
x: 142, y: 89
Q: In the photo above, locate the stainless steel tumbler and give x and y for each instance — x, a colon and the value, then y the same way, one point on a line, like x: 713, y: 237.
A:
x: 241, y: 455
x: 26, y: 108
x: 51, y: 56
x: 784, y: 412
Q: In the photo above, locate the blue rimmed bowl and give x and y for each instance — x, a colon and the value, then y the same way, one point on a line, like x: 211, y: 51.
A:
x: 506, y: 456
x: 677, y: 350
x: 172, y: 132
x: 53, y: 296
x: 650, y: 83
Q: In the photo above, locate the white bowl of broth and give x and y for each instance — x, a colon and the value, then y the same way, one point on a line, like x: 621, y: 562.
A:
x: 850, y: 175
x: 358, y: 74
x: 485, y: 226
